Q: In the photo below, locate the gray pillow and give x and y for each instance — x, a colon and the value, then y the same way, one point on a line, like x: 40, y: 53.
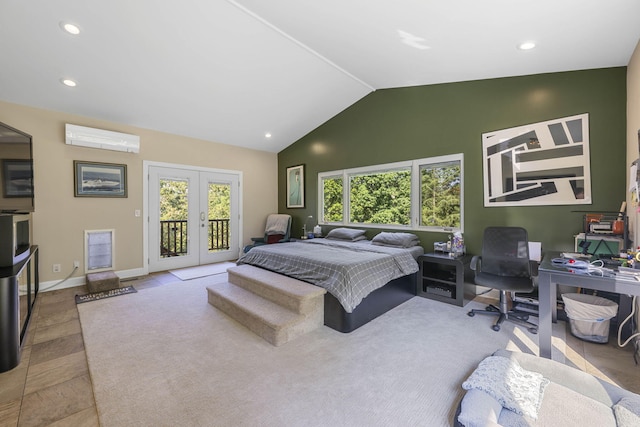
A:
x: 399, y: 240
x: 351, y: 234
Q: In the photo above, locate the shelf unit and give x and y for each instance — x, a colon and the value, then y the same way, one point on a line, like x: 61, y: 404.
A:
x: 442, y: 278
x: 603, y: 241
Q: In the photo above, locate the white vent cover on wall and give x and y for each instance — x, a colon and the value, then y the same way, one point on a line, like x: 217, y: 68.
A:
x: 103, y: 139
x: 98, y: 250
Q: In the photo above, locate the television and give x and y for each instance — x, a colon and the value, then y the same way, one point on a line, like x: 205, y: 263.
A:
x: 16, y: 171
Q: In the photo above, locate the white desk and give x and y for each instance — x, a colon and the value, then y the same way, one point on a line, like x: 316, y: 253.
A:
x: 550, y: 275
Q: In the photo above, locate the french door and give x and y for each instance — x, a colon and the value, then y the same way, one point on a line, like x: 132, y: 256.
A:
x: 193, y: 216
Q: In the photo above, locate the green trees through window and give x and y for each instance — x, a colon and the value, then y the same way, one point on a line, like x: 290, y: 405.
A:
x: 419, y: 194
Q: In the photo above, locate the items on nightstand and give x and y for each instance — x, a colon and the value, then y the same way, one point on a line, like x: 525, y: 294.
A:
x: 454, y: 246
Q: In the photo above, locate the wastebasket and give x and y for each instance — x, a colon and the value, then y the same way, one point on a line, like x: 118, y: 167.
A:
x: 589, y: 316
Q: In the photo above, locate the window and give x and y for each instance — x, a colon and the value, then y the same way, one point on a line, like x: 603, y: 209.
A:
x: 424, y: 194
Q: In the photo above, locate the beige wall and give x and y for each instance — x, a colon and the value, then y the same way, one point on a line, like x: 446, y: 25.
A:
x: 60, y: 218
x: 633, y: 126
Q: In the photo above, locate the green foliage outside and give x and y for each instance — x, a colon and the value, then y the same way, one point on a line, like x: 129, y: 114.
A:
x: 440, y: 196
x: 174, y: 207
x: 174, y: 201
x: 385, y: 197
x: 381, y: 198
x: 332, y: 199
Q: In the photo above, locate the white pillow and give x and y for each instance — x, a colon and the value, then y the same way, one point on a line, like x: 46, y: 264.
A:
x: 627, y: 412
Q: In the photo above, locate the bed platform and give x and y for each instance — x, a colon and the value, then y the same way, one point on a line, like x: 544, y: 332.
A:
x: 362, y: 280
x: 373, y: 305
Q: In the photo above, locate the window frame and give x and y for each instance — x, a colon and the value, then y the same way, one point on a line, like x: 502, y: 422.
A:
x: 415, y: 211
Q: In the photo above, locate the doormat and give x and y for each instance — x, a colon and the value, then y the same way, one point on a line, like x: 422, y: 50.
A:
x: 105, y: 294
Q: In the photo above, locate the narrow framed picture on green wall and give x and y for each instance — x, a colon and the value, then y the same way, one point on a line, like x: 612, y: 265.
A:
x: 295, y: 186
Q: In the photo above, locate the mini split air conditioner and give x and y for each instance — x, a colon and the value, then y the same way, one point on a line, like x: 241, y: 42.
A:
x: 103, y: 139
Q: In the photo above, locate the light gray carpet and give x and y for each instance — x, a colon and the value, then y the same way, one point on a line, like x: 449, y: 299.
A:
x: 202, y: 270
x: 165, y: 357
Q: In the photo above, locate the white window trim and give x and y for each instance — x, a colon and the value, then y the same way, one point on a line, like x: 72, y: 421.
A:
x: 414, y: 165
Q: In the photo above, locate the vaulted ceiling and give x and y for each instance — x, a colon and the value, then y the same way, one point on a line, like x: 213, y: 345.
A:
x: 232, y: 71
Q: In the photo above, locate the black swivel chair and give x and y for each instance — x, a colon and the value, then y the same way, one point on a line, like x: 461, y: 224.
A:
x: 504, y: 265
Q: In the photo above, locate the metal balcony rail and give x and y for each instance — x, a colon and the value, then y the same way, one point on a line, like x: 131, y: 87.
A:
x: 173, y: 236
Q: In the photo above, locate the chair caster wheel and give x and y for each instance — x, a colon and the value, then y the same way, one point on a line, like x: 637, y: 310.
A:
x: 471, y: 314
x: 533, y: 330
x: 496, y: 328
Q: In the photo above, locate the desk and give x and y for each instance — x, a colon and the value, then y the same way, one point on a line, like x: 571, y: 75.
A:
x: 550, y: 275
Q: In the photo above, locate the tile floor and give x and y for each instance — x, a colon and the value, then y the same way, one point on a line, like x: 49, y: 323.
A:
x: 52, y: 386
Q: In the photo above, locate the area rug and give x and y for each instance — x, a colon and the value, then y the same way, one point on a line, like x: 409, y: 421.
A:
x: 105, y: 294
x: 189, y: 364
x: 190, y: 273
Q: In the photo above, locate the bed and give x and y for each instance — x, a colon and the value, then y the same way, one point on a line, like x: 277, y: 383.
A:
x: 363, y: 279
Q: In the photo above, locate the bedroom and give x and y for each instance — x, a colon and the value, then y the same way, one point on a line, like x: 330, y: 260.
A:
x: 464, y: 109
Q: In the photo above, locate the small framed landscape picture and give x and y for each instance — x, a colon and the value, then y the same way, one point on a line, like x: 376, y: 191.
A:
x: 295, y: 186
x: 100, y: 179
x: 17, y: 177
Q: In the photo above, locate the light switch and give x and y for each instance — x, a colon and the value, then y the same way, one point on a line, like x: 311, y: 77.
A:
x: 136, y: 212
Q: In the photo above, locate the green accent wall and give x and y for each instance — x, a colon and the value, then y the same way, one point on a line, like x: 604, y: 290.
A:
x: 392, y: 125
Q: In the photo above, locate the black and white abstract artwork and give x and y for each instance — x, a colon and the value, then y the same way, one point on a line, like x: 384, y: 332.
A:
x: 545, y: 163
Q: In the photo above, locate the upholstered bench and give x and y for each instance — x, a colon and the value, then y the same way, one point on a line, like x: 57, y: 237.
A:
x: 568, y: 397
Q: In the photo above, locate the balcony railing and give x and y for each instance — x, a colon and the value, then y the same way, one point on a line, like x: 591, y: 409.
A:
x: 173, y: 236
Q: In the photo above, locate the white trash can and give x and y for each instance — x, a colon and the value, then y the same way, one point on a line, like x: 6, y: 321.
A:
x: 589, y: 316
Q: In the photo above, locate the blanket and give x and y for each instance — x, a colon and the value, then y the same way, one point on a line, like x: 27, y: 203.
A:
x: 348, y: 270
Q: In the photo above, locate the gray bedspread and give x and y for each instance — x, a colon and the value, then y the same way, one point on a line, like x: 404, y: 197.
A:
x: 347, y: 270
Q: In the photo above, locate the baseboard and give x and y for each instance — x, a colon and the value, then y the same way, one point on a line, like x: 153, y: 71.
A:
x: 72, y: 282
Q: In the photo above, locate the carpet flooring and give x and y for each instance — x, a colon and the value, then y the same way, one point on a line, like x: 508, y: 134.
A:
x: 164, y: 357
x: 202, y: 270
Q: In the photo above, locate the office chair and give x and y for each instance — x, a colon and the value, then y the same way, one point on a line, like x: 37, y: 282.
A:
x: 504, y: 265
x: 277, y: 230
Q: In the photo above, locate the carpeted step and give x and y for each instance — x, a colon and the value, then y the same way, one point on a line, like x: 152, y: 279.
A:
x: 274, y: 323
x: 288, y: 292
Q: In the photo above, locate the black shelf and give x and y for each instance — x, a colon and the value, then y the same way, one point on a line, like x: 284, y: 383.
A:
x: 442, y: 278
x: 16, y: 306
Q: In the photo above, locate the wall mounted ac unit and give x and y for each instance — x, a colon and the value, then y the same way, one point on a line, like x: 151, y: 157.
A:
x: 103, y: 139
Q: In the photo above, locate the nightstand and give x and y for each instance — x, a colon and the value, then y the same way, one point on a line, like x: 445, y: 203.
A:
x: 442, y: 278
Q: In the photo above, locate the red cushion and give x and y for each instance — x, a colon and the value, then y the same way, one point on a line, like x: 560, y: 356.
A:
x: 274, y: 238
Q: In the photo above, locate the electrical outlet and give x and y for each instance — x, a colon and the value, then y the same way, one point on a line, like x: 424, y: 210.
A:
x: 76, y: 264
x: 56, y: 268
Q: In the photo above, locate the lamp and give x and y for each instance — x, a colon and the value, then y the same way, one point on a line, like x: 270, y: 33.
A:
x: 308, y: 225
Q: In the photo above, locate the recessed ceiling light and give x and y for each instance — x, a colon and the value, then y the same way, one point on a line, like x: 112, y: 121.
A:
x: 68, y: 82
x: 526, y: 46
x: 267, y: 135
x: 70, y: 28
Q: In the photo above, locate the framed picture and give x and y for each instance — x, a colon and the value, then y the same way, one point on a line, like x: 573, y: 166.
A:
x: 17, y: 177
x: 100, y: 179
x: 544, y: 163
x: 295, y: 186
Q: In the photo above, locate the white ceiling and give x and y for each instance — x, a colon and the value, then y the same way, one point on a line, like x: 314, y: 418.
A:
x: 230, y: 71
